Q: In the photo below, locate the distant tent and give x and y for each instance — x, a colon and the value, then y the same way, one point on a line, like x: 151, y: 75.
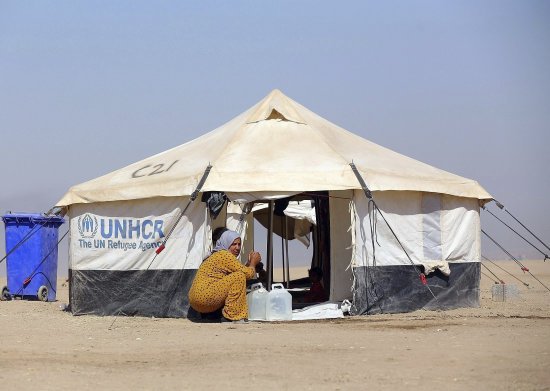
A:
x: 276, y: 150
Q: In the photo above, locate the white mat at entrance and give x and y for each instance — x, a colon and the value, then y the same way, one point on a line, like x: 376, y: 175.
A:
x: 321, y: 311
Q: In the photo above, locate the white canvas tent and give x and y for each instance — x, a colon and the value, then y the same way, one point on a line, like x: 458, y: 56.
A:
x: 277, y: 149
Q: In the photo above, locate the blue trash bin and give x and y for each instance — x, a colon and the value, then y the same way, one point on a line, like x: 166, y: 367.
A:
x: 32, y: 267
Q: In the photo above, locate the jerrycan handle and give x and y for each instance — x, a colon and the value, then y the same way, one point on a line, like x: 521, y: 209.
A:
x: 256, y: 286
x: 277, y: 286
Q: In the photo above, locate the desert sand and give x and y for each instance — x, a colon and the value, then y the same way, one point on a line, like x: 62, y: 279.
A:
x: 499, y: 346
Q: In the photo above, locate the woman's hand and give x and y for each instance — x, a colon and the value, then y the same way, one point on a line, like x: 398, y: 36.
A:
x: 253, y: 259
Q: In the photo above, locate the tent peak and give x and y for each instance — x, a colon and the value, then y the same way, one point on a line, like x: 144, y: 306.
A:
x: 276, y: 106
x: 275, y: 92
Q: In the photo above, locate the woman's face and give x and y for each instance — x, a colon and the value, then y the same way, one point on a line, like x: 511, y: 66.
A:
x: 235, y: 247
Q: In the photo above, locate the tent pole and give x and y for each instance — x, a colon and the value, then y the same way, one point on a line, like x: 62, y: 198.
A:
x: 286, y: 258
x: 283, y: 250
x: 270, y: 246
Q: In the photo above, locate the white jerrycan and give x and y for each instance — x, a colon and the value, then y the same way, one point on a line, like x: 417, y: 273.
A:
x: 279, y: 303
x: 256, y: 300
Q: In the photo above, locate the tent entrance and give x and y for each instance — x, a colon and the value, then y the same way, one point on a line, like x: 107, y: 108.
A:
x: 301, y: 240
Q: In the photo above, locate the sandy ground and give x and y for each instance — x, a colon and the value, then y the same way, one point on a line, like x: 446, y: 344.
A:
x: 499, y: 346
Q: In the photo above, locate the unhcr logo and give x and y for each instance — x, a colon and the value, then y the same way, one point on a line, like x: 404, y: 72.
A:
x: 87, y: 226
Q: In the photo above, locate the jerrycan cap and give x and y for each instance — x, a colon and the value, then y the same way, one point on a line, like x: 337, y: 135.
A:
x: 256, y: 286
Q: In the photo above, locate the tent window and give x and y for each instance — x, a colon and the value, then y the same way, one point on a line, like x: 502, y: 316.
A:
x: 431, y: 226
x: 276, y: 115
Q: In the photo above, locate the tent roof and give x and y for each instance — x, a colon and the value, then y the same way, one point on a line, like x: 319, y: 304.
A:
x: 277, y: 145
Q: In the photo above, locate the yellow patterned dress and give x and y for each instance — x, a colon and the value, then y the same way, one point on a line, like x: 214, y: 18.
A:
x: 221, y: 282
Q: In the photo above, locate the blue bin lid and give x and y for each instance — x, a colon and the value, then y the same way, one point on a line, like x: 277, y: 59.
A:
x: 34, y: 218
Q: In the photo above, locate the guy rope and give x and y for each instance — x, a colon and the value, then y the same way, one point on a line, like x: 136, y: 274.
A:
x: 368, y: 193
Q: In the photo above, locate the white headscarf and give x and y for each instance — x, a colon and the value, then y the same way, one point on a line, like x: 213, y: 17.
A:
x: 225, y: 241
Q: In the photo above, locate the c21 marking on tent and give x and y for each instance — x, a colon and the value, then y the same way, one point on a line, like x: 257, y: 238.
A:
x: 153, y: 170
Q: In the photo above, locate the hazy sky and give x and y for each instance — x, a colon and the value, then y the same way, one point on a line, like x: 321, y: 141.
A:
x: 89, y: 87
